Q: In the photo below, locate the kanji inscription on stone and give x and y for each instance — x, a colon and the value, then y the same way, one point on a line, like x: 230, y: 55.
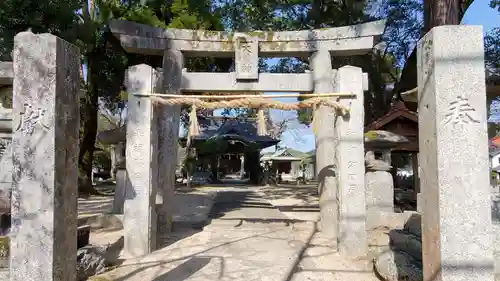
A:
x: 460, y: 112
x: 29, y: 118
x: 245, y: 47
x: 246, y: 57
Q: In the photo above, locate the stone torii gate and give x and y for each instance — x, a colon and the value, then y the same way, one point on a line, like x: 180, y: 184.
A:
x: 152, y: 129
x: 457, y: 240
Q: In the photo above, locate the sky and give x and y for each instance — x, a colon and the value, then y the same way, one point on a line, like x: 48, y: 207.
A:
x: 480, y: 13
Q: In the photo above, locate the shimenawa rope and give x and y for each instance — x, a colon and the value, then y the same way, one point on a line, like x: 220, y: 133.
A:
x: 253, y: 103
x: 246, y: 101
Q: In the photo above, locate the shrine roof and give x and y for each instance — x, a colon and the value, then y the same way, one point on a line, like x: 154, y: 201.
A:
x: 211, y: 127
x: 398, y: 109
x: 244, y: 129
x: 494, y: 144
x: 284, y: 154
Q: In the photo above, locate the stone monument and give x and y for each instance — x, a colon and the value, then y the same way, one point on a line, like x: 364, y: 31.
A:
x: 456, y: 221
x: 45, y: 144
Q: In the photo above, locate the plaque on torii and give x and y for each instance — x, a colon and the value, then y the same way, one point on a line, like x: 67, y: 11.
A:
x: 246, y: 57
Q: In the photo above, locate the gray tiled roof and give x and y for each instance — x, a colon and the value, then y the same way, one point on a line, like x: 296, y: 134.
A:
x: 215, y: 127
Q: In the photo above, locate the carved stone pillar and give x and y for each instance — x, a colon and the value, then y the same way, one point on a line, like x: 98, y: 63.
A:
x: 457, y: 240
x: 349, y: 158
x: 168, y: 136
x: 139, y: 223
x: 112, y: 156
x: 45, y: 145
x: 325, y: 146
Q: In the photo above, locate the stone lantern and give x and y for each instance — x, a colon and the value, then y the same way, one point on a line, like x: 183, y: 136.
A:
x: 378, y: 179
x: 116, y: 138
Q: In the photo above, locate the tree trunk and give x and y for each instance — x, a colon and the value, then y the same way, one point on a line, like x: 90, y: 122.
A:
x: 89, y: 118
x: 436, y: 13
x: 442, y: 12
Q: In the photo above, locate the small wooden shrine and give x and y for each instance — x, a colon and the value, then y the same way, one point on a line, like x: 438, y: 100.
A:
x: 401, y: 121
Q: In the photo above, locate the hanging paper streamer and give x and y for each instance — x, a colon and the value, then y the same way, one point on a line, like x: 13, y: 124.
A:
x: 494, y: 112
x: 261, y: 123
x: 194, y: 128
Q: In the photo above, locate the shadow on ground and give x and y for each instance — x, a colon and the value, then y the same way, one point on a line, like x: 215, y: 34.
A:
x: 179, y: 232
x: 208, y: 260
x: 228, y: 201
x: 185, y: 270
x: 306, y: 192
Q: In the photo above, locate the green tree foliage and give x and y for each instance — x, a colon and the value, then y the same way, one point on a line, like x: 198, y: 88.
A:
x: 495, y: 4
x: 392, y: 65
x: 280, y: 15
x: 382, y: 65
x: 85, y: 23
x: 55, y: 16
x: 435, y: 13
x: 492, y: 52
